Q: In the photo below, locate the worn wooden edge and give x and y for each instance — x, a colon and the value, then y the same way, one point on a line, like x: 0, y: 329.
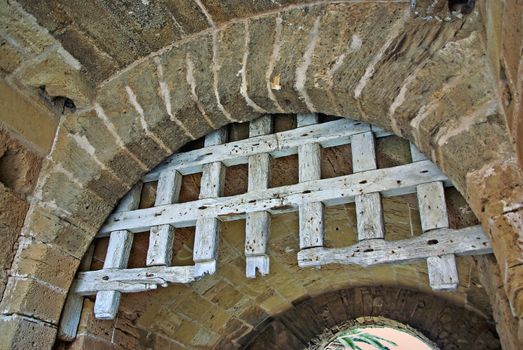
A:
x: 390, y: 182
x: 280, y: 144
x: 467, y: 241
x: 131, y: 280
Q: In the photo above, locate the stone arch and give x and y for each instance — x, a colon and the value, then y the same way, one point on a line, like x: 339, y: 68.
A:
x: 314, y: 57
x: 442, y: 322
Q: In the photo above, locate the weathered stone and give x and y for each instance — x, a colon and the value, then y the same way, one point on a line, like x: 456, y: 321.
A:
x: 20, y: 333
x: 30, y: 119
x: 11, y: 221
x: 75, y: 157
x: 32, y: 298
x: 297, y: 25
x: 66, y: 199
x: 188, y: 15
x: 61, y: 76
x: 47, y: 228
x: 228, y: 61
x: 31, y: 261
x: 23, y: 30
x: 506, y: 323
x: 99, y: 64
x: 10, y: 58
x: 223, y: 11
x: 264, y: 36
x: 19, y: 166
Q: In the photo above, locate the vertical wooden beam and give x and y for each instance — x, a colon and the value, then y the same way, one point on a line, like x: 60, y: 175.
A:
x: 369, y: 213
x: 443, y: 273
x: 73, y: 304
x: 257, y: 224
x: 161, y: 237
x: 120, y: 242
x: 311, y: 214
x: 207, y: 229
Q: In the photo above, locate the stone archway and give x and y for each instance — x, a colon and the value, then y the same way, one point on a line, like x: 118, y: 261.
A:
x: 314, y: 57
x: 440, y: 321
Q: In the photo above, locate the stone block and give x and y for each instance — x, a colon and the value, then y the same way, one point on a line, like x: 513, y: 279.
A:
x: 90, y: 131
x: 23, y: 30
x: 25, y: 296
x: 85, y: 341
x: 32, y: 120
x: 47, y: 228
x: 61, y: 75
x: 76, y: 157
x: 188, y: 15
x: 66, y: 199
x: 495, y: 189
x: 78, y: 43
x: 33, y: 259
x: 297, y: 25
x: 10, y: 58
x: 149, y: 87
x: 230, y: 48
x: 225, y: 11
x: 91, y: 327
x: 21, y: 333
x: 19, y: 165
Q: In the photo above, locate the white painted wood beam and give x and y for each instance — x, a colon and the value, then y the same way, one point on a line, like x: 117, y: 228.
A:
x: 131, y: 280
x: 311, y: 215
x: 257, y: 224
x: 369, y: 212
x: 120, y: 242
x: 73, y: 304
x: 207, y: 228
x: 466, y: 241
x: 394, y: 181
x: 443, y: 272
x: 161, y: 237
x: 280, y: 144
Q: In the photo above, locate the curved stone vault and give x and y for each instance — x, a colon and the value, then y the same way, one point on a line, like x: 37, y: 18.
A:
x: 425, y: 78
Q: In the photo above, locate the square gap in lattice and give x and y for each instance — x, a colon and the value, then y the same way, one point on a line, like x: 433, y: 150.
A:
x: 284, y: 171
x: 192, y: 145
x: 401, y: 217
x: 392, y: 151
x: 190, y: 188
x: 238, y: 132
x: 336, y: 161
x: 322, y: 118
x: 182, y: 249
x: 236, y: 180
x: 148, y: 195
x: 283, y: 122
x: 340, y: 226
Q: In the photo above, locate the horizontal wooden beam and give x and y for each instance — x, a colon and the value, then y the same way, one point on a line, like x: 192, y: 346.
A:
x: 131, y: 280
x: 390, y: 182
x: 466, y: 241
x: 280, y: 144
